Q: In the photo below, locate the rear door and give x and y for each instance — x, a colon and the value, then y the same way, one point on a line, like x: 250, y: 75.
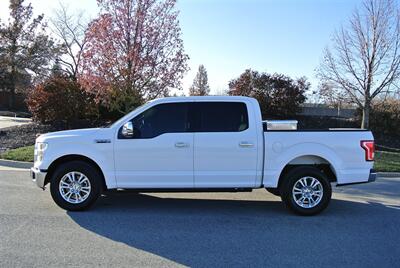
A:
x: 225, y: 145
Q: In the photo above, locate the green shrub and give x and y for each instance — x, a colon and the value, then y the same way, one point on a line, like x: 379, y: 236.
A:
x: 385, y: 118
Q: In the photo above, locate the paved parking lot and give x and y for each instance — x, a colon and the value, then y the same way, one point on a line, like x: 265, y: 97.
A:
x: 6, y: 121
x: 360, y: 228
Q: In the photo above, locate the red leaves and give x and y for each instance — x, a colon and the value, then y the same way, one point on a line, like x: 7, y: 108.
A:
x: 60, y: 99
x: 134, y: 46
x: 279, y: 96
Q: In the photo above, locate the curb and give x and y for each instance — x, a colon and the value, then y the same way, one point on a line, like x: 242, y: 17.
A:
x: 388, y: 174
x: 15, y: 164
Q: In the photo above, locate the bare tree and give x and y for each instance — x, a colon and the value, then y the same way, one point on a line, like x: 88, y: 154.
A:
x: 364, y: 59
x: 333, y: 97
x: 70, y: 29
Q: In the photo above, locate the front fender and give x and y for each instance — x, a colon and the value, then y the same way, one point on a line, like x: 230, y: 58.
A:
x: 100, y: 153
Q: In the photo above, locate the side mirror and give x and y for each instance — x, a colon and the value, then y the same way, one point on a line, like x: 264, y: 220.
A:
x: 127, y: 130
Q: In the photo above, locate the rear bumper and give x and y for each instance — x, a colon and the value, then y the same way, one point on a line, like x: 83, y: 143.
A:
x: 372, y: 175
x: 371, y: 178
x: 38, y: 177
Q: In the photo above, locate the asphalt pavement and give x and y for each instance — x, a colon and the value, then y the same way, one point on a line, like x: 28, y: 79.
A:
x: 360, y: 228
x: 7, y: 121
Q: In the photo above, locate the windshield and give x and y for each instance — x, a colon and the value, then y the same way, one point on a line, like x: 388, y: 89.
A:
x: 108, y: 125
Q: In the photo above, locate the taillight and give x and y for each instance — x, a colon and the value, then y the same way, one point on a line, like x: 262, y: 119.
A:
x: 369, y: 148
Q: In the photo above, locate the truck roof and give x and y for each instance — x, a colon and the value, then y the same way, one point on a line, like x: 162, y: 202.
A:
x: 203, y: 98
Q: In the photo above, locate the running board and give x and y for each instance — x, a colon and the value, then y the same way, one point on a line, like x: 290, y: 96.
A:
x: 184, y: 190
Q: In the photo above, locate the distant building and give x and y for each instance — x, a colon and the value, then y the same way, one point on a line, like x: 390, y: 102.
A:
x: 310, y: 109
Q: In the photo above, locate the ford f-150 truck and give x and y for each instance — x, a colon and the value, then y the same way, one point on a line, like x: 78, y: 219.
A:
x: 202, y: 144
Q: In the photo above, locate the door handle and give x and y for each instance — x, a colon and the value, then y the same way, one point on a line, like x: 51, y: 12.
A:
x: 181, y: 144
x: 246, y: 144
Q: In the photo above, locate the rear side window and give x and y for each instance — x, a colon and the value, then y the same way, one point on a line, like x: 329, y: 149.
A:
x: 221, y: 116
x: 160, y: 119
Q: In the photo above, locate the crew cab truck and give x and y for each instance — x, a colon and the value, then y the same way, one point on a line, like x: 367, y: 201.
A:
x: 201, y: 144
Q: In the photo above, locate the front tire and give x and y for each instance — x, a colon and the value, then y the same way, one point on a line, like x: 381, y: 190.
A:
x: 75, y: 185
x: 306, y: 190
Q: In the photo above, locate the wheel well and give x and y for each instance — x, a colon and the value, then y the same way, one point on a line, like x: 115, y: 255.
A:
x: 68, y: 158
x: 324, y: 166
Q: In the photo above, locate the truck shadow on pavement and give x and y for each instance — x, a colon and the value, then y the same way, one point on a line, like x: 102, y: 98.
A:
x: 205, y: 232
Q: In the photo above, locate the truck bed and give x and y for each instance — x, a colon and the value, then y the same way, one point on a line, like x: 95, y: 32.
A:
x: 338, y: 148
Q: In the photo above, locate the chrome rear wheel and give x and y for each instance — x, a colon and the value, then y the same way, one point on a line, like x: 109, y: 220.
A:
x: 307, y: 192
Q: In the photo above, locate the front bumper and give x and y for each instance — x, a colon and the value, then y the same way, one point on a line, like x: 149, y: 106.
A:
x: 38, y: 177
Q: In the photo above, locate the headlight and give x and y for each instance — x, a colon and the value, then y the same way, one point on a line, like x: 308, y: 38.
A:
x: 40, y: 148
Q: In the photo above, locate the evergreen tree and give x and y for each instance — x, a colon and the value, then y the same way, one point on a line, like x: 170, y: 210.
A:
x: 24, y: 48
x: 200, y: 85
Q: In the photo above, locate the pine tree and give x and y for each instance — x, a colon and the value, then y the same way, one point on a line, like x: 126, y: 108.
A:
x: 200, y: 85
x: 24, y: 47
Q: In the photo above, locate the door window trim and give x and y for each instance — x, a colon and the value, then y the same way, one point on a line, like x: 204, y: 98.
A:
x: 187, y: 125
x: 196, y: 126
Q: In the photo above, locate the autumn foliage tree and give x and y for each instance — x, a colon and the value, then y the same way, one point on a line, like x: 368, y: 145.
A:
x: 200, y: 85
x: 60, y: 98
x: 134, y: 52
x: 279, y: 96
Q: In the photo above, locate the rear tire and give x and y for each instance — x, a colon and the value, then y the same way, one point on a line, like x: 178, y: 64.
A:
x: 75, y: 185
x: 306, y: 190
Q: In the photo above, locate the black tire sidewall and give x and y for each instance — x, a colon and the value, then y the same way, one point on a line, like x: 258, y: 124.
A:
x: 89, y: 171
x: 292, y: 177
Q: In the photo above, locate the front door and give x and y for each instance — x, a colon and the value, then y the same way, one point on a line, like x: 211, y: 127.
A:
x: 160, y: 155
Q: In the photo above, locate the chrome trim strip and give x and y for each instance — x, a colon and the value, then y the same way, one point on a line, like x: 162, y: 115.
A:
x: 102, y: 141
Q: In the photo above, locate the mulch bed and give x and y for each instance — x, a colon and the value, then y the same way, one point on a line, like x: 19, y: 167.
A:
x: 19, y: 136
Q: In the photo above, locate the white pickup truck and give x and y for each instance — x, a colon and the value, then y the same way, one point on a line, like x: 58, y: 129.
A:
x: 202, y: 144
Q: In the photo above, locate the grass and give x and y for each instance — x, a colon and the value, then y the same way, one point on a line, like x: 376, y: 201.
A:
x: 384, y: 161
x: 19, y: 154
x: 387, y: 161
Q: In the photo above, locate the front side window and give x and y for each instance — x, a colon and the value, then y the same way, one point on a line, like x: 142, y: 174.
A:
x: 221, y: 116
x: 161, y: 119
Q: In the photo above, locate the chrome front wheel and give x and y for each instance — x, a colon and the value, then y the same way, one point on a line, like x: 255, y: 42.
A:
x: 75, y: 187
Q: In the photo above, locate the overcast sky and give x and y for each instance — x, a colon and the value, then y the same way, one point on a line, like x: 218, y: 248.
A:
x: 228, y: 36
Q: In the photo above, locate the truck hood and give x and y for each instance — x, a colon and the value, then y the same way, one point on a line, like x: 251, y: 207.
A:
x: 67, y: 134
